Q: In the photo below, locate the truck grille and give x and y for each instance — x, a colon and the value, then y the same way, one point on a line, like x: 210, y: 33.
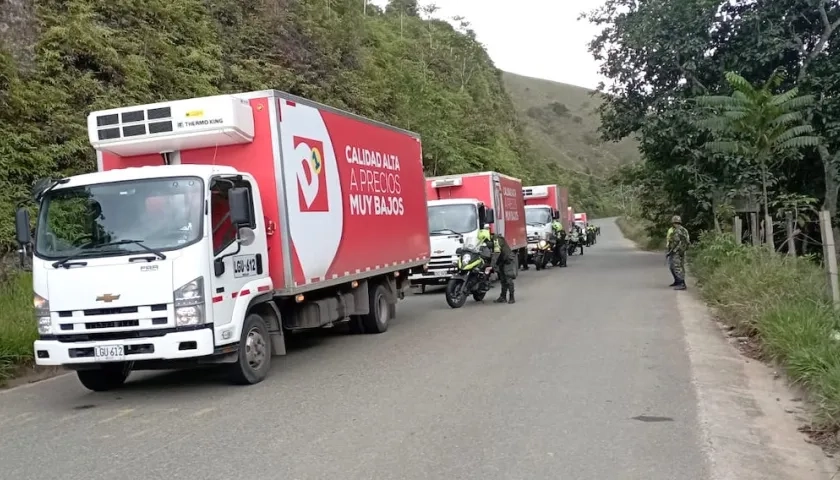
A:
x: 533, y: 238
x: 114, y: 322
x: 437, y: 262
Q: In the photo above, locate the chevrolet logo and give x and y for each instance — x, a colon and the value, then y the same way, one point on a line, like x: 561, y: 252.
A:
x: 438, y: 252
x: 107, y: 298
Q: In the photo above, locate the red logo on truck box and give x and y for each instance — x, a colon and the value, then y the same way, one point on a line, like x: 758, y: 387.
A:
x: 312, y: 178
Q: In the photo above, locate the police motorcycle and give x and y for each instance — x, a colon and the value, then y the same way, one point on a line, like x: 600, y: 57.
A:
x: 470, y: 275
x: 544, y: 252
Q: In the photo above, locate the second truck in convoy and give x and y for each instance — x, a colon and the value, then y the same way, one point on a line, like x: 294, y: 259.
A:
x: 543, y: 204
x: 214, y: 227
x: 458, y: 206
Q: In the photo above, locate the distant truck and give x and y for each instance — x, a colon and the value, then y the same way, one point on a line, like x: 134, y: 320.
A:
x: 458, y: 206
x: 543, y: 204
x: 580, y: 219
x: 217, y: 225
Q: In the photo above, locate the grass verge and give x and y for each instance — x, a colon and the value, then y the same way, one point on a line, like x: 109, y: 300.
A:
x: 638, y: 230
x: 780, y: 302
x: 17, y: 326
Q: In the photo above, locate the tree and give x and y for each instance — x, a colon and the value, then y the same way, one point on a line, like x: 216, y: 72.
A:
x: 758, y: 125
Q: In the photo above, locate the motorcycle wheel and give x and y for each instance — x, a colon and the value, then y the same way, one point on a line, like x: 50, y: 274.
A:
x: 479, y: 296
x: 544, y: 262
x: 455, y: 295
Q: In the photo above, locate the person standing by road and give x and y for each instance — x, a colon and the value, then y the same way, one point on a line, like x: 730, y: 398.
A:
x: 504, y: 261
x: 678, y: 240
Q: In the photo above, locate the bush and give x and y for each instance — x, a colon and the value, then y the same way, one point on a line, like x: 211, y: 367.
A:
x: 781, y: 301
x: 639, y: 231
x: 17, y: 325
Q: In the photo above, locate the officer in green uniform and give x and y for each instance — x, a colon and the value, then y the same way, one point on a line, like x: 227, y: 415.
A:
x: 560, y: 247
x: 504, y: 261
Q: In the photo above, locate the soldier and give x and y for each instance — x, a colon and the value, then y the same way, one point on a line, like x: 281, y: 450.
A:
x: 678, y: 241
x: 504, y: 262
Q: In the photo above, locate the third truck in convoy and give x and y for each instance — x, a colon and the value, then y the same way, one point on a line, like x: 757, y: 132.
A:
x: 216, y: 226
x: 458, y: 207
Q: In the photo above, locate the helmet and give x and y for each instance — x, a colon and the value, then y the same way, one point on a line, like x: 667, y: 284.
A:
x: 676, y: 219
x: 483, y: 235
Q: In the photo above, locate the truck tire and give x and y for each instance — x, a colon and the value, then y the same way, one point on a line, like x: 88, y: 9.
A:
x: 108, y: 377
x: 379, y: 316
x: 254, y: 361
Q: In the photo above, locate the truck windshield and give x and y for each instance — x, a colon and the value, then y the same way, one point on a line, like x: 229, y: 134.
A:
x: 448, y: 219
x: 120, y: 218
x: 537, y: 216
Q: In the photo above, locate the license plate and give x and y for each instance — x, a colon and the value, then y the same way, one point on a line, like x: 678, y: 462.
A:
x: 441, y: 273
x: 109, y: 353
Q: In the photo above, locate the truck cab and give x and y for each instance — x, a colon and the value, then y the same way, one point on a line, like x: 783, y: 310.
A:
x: 538, y: 219
x: 453, y: 223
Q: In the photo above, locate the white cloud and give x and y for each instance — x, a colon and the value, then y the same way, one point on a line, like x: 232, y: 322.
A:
x: 537, y: 38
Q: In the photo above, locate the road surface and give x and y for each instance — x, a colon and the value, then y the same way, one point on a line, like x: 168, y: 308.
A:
x: 588, y: 376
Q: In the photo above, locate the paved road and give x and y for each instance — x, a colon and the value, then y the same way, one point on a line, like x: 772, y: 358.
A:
x: 544, y: 389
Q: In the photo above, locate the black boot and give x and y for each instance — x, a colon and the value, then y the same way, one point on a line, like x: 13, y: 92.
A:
x: 680, y: 286
x: 503, y: 295
x: 511, y: 299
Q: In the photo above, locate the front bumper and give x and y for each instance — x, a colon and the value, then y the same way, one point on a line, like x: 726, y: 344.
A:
x: 172, y: 346
x: 431, y: 277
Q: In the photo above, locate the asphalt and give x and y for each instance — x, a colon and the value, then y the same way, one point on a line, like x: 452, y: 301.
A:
x: 585, y: 377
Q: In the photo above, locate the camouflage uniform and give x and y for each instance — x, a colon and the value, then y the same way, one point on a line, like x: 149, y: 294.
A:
x: 505, y: 264
x: 678, y: 241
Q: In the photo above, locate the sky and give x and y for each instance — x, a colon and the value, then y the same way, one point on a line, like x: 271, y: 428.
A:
x: 536, y: 38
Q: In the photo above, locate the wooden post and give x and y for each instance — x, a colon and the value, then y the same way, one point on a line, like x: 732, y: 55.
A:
x: 791, y: 245
x: 754, y: 229
x: 830, y: 257
x: 768, y: 233
x: 738, y: 230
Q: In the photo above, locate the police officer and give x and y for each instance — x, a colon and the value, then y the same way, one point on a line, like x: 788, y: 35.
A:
x: 560, y: 246
x: 504, y: 263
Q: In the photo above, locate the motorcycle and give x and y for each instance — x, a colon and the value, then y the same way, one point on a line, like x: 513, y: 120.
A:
x: 470, y: 276
x: 544, y: 253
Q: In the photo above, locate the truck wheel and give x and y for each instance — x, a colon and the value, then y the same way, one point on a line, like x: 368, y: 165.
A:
x: 108, y: 377
x: 254, y: 353
x: 376, y: 321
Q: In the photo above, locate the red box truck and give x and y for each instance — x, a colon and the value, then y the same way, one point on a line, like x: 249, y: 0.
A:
x: 544, y: 203
x: 217, y: 225
x: 457, y: 206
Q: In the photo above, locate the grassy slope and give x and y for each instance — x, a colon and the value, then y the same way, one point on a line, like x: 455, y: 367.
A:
x: 561, y: 122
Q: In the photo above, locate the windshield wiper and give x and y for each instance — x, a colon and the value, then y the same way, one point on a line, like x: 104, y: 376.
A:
x: 444, y: 231
x: 139, y: 243
x: 64, y: 262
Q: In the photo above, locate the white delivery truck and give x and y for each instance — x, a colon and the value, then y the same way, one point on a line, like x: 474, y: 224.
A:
x: 457, y: 209
x: 217, y: 225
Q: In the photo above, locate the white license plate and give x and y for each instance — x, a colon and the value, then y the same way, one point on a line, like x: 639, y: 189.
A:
x: 109, y: 353
x: 441, y: 273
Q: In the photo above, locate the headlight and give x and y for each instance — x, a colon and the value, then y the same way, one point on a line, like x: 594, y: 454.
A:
x: 189, y: 303
x: 42, y: 314
x: 466, y: 258
x: 543, y: 244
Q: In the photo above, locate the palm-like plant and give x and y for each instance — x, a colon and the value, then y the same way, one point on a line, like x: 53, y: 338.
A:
x: 758, y: 125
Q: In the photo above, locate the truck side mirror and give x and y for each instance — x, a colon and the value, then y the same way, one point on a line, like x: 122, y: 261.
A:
x: 239, y: 201
x: 555, y: 215
x: 489, y: 216
x: 24, y: 235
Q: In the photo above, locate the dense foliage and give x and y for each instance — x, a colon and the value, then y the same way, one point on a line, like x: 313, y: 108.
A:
x: 662, y: 55
x: 388, y: 64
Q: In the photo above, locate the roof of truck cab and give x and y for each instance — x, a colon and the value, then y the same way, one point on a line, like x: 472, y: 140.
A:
x: 142, y: 173
x: 453, y: 201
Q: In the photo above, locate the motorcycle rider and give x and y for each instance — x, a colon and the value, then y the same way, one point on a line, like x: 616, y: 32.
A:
x: 504, y: 262
x: 560, y: 243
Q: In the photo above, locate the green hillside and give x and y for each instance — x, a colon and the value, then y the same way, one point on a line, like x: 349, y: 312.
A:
x: 561, y: 123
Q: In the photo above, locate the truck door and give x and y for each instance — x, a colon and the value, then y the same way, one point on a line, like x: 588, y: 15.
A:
x: 240, y: 268
x: 499, y: 206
